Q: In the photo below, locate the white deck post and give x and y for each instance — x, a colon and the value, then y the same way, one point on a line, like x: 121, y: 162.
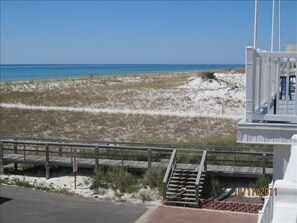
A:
x: 250, y: 84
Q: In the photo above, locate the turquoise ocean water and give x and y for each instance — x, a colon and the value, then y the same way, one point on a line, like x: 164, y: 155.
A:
x: 18, y: 72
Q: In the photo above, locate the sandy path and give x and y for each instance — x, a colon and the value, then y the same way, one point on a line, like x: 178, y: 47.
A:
x: 117, y: 111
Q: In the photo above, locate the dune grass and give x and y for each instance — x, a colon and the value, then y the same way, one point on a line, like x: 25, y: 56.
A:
x: 113, y: 127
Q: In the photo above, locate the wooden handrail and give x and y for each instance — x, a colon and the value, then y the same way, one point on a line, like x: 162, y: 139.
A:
x: 171, y: 146
x: 202, y: 167
x: 170, y: 167
x: 85, y: 145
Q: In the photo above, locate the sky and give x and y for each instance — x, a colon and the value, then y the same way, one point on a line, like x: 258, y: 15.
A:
x: 137, y: 32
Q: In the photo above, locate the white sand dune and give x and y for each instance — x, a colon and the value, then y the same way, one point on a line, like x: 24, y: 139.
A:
x: 221, y: 97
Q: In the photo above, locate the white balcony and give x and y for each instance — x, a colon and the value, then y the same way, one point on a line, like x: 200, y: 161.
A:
x: 271, y: 105
x: 271, y: 86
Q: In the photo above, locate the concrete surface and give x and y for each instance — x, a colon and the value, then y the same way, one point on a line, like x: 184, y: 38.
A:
x: 26, y: 205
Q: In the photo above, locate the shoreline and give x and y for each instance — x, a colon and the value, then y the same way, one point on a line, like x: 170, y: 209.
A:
x: 238, y: 69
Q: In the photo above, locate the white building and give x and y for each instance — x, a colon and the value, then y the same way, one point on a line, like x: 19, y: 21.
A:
x: 291, y: 48
x: 271, y: 119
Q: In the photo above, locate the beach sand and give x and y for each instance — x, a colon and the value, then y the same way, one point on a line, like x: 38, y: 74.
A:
x: 185, y: 107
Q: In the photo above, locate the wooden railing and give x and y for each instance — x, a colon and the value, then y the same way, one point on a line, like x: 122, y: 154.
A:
x: 136, y: 144
x: 237, y: 159
x: 271, y: 86
x: 171, y: 166
x: 53, y: 150
x: 202, y: 168
x: 49, y: 151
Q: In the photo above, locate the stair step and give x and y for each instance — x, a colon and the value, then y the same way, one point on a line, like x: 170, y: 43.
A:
x: 185, y: 171
x: 189, y: 195
x: 188, y: 199
x: 181, y: 189
x: 181, y: 182
x: 183, y: 178
x: 172, y: 185
x: 184, y: 175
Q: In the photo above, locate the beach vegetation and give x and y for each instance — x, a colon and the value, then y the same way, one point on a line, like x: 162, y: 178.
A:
x: 221, y: 140
x: 35, y: 185
x: 153, y: 178
x: 212, y: 187
x: 261, y: 182
x: 117, y: 178
x: 145, y: 196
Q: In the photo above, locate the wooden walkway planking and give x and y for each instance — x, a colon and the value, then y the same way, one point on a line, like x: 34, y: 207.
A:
x: 138, y: 165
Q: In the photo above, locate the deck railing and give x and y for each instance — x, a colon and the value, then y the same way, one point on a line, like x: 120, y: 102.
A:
x: 271, y: 86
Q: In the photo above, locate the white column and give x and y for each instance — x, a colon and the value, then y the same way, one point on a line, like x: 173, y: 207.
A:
x: 250, y: 83
x: 281, y: 155
x: 291, y: 173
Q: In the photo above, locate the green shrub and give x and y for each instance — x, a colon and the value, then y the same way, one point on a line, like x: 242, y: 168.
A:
x: 22, y: 183
x: 154, y: 178
x: 145, y: 196
x: 120, y: 179
x: 207, y: 75
x: 99, y: 179
x: 117, y: 178
x: 261, y: 182
x: 212, y: 187
x: 64, y: 191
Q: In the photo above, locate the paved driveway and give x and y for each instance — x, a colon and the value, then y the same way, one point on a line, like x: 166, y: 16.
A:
x: 21, y: 205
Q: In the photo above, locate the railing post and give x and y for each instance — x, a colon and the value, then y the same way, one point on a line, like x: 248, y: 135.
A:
x: 234, y: 161
x: 122, y: 157
x: 96, y: 158
x: 149, y: 159
x: 15, y: 148
x: 24, y: 152
x: 1, y: 158
x: 107, y: 153
x: 250, y: 84
x: 60, y: 150
x: 47, y: 165
x: 264, y: 164
x: 205, y: 163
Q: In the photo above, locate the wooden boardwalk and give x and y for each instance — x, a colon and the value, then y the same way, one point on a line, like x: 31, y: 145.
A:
x: 62, y: 154
x: 220, y: 170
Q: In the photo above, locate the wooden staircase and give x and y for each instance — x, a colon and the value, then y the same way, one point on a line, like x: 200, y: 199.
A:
x: 181, y: 189
x: 183, y: 186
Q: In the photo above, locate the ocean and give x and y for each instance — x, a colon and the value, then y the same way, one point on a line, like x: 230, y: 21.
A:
x: 23, y: 72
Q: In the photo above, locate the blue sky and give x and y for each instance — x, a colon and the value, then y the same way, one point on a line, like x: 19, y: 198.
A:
x: 101, y: 32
